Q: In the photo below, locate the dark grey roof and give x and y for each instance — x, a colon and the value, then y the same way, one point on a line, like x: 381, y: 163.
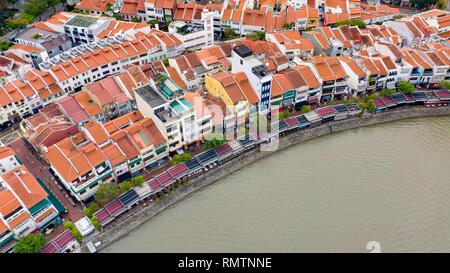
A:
x: 129, y: 198
x: 398, y: 97
x: 150, y: 95
x: 207, y: 156
x: 243, y: 51
x: 419, y: 96
x: 340, y: 108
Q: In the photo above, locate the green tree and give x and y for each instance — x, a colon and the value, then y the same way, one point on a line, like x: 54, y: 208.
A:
x: 69, y: 225
x: 186, y: 157
x: 346, y: 101
x: 153, y: 22
x: 252, y: 35
x: 261, y: 35
x: 305, y: 109
x: 371, y: 106
x: 166, y: 62
x: 405, y: 87
x: 386, y: 92
x: 126, y: 186
x: 52, y: 3
x: 4, y: 45
x: 136, y: 20
x: 214, y: 139
x: 106, y: 192
x: 351, y: 22
x: 93, y: 207
x: 285, y: 114
x: 441, y: 4
x: 30, y: 243
x: 75, y: 232
x: 16, y: 23
x: 444, y: 84
x: 229, y: 33
x: 176, y: 159
x: 29, y: 17
x: 118, y: 17
x: 35, y: 7
x: 374, y: 96
x: 94, y: 222
x: 137, y: 181
x: 288, y: 25
x: 356, y: 100
x: 366, y: 98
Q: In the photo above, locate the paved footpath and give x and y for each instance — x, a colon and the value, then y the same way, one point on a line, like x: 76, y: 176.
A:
x: 41, y: 171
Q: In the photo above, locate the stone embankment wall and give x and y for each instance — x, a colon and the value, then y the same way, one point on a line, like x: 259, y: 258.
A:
x: 133, y: 219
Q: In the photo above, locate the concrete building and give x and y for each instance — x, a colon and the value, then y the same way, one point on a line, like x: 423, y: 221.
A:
x: 242, y: 60
x: 52, y: 42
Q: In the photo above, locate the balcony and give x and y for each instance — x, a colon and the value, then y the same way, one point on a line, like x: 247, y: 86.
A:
x: 328, y: 83
x: 415, y: 73
x: 362, y: 87
x: 428, y: 72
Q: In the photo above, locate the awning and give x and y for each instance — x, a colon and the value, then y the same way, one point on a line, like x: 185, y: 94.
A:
x: 313, y: 100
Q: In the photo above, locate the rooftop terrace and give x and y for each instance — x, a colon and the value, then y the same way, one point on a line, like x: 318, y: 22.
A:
x: 81, y: 21
x: 150, y: 95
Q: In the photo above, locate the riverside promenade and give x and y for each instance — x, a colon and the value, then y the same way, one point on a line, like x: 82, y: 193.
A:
x: 133, y: 218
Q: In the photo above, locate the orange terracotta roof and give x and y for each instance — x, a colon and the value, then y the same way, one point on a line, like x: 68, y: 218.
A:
x: 19, y: 219
x: 25, y: 186
x: 175, y: 77
x: 353, y: 66
x: 308, y: 76
x: 276, y: 90
x: 381, y: 69
x: 8, y: 202
x: 27, y: 48
x: 246, y: 88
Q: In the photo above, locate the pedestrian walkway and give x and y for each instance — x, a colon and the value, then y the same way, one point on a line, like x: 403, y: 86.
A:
x: 27, y: 158
x: 74, y: 213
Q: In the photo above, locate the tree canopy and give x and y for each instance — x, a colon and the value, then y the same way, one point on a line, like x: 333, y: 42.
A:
x: 106, y: 192
x: 137, y: 181
x: 4, y: 45
x: 35, y: 7
x: 16, y: 23
x: 444, y: 84
x: 386, y: 92
x: 259, y: 35
x: 30, y: 243
x: 152, y: 22
x: 93, y: 207
x: 305, y: 109
x: 288, y: 25
x: 351, y: 22
x: 405, y: 87
x: 136, y: 20
x: 118, y: 17
x: 214, y: 139
x: 229, y: 33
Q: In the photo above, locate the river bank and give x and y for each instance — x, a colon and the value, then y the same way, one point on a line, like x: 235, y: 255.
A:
x: 135, y: 218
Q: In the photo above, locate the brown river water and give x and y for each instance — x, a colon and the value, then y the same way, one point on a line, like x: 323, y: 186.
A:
x: 388, y: 183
